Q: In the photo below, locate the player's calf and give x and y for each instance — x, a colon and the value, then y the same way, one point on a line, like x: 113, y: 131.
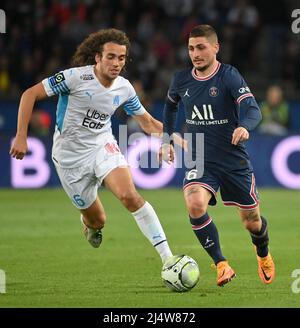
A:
x: 148, y: 221
x: 266, y: 266
x: 131, y: 200
x: 207, y: 234
x: 252, y: 220
x: 258, y: 229
x: 261, y: 239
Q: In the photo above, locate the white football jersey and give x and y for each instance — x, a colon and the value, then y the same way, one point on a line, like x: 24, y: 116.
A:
x: 84, y: 110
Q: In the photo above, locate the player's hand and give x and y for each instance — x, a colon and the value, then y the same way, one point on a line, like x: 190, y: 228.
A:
x: 184, y: 145
x: 166, y: 153
x: 239, y: 134
x: 180, y: 142
x: 19, y: 147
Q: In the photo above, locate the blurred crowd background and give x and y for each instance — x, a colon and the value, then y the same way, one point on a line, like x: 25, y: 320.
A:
x: 255, y: 36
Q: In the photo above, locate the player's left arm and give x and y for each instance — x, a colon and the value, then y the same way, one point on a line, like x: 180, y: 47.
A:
x: 134, y: 108
x: 150, y: 125
x: 250, y: 121
x: 247, y: 104
x: 147, y: 122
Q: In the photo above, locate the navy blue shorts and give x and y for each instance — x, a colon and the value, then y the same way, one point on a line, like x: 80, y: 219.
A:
x: 237, y: 188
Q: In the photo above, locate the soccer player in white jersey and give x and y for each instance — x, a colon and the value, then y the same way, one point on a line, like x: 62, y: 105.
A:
x: 85, y: 152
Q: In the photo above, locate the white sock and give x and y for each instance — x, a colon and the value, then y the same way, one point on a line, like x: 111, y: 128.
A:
x: 150, y: 226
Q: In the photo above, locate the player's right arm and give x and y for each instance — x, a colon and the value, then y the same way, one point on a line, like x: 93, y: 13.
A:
x: 28, y: 99
x: 63, y: 82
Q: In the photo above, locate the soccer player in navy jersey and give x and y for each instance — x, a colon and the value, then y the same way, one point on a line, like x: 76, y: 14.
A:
x: 213, y: 95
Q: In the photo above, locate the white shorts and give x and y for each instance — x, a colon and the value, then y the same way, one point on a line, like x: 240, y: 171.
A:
x: 82, y: 183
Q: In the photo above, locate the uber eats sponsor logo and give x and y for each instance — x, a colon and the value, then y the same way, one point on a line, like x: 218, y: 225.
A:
x: 205, y: 116
x: 94, y: 120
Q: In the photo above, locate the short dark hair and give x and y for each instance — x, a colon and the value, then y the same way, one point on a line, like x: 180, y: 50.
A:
x: 93, y: 44
x: 204, y: 31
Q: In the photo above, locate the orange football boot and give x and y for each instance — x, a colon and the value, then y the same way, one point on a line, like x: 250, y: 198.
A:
x: 224, y: 273
x: 266, y: 268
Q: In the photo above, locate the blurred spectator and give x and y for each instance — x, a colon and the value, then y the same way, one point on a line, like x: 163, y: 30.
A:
x: 161, y: 47
x: 291, y: 60
x: 275, y: 112
x: 40, y: 123
x: 4, y: 75
x: 145, y: 28
x: 276, y: 20
x: 243, y: 19
x: 189, y: 24
x: 2, y: 121
x: 43, y: 35
x: 178, y: 7
x: 27, y: 76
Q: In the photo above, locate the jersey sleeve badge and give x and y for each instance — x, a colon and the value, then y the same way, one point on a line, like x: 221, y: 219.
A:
x: 56, y: 79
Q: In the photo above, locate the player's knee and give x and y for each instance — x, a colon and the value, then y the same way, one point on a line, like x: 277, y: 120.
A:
x: 131, y: 200
x: 196, y: 208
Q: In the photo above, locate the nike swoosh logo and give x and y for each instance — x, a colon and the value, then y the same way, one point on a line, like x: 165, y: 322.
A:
x: 222, y: 273
x: 266, y: 277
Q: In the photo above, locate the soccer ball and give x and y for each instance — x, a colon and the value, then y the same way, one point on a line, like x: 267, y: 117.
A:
x: 180, y: 273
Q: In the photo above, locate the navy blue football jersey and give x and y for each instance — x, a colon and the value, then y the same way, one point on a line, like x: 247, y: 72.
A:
x: 212, y: 106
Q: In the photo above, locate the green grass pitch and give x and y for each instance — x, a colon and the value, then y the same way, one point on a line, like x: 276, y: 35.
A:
x: 48, y: 262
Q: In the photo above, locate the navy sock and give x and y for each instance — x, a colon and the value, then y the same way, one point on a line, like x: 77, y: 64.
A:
x: 261, y: 239
x: 207, y: 234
